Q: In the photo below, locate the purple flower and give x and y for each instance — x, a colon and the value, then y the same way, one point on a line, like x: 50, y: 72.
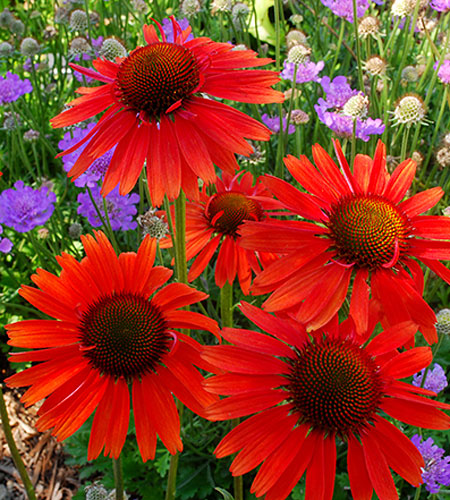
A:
x: 437, y: 467
x: 5, y: 243
x: 435, y: 381
x: 273, y: 123
x: 306, y: 72
x: 344, y: 8
x: 27, y: 66
x: 120, y: 208
x: 97, y: 169
x: 440, y: 5
x: 168, y: 28
x: 97, y: 43
x: 330, y: 111
x: 443, y: 71
x: 25, y: 208
x: 12, y: 87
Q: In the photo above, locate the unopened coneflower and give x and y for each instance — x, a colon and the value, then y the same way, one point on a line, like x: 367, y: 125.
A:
x: 17, y: 27
x: 410, y: 110
x: 29, y: 47
x: 31, y: 135
x: 221, y: 6
x: 403, y: 8
x: 112, y: 48
x: 410, y: 74
x: 6, y: 49
x: 369, y: 26
x: 139, y: 6
x: 443, y: 322
x: 78, y: 47
x: 299, y: 117
x: 78, y: 20
x: 357, y: 106
x: 295, y: 37
x: 190, y: 7
x: 375, y: 66
x: 153, y: 224
x: 443, y: 156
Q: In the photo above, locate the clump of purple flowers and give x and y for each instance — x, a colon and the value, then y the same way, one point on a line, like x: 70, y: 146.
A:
x: 437, y: 467
x: 12, y: 87
x: 273, y: 123
x: 120, y: 208
x: 435, y: 380
x: 330, y: 110
x: 24, y: 208
x: 306, y: 72
x: 97, y: 169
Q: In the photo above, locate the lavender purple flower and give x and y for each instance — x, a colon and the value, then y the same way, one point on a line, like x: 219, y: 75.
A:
x: 97, y: 169
x: 435, y: 380
x: 5, y: 243
x: 331, y: 110
x: 306, y: 72
x: 344, y: 8
x: 440, y: 5
x: 12, y: 87
x: 24, y: 208
x: 443, y: 71
x: 437, y: 467
x: 120, y: 208
x: 273, y: 123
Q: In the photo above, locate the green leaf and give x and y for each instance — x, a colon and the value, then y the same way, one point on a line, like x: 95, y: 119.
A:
x: 225, y: 494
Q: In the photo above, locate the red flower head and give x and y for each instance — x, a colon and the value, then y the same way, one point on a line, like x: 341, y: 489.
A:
x: 215, y: 220
x: 361, y: 228
x: 155, y: 112
x: 309, y: 390
x: 106, y: 335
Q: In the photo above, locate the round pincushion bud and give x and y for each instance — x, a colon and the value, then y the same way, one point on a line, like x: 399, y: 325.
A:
x: 443, y: 322
x: 375, y: 65
x: 299, y: 54
x: 29, y: 47
x: 368, y: 26
x: 112, y: 48
x: 357, y: 106
x: 78, y: 20
x: 409, y: 109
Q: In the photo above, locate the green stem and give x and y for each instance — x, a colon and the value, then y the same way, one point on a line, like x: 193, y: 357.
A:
x: 13, y: 449
x: 358, y: 47
x: 118, y: 477
x: 405, y: 143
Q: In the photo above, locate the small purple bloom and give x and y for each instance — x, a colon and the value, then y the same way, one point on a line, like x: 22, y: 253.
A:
x: 97, y: 169
x: 344, y: 8
x: 273, y: 123
x: 435, y: 381
x: 5, y: 243
x: 440, y: 5
x: 27, y: 65
x: 97, y: 43
x: 443, y: 71
x: 24, y: 208
x: 168, y: 28
x: 120, y: 208
x: 306, y: 72
x: 338, y: 93
x: 12, y: 87
x: 437, y: 467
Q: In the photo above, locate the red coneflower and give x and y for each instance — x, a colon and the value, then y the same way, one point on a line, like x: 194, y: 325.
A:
x: 106, y: 335
x: 215, y: 220
x: 310, y: 390
x: 360, y: 228
x: 155, y: 112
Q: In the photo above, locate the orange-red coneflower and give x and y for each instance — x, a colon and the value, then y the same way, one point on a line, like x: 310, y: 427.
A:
x: 309, y: 391
x: 112, y: 330
x: 356, y: 226
x: 157, y: 110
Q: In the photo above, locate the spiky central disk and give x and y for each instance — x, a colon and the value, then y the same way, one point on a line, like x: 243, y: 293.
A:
x: 334, y: 386
x: 367, y: 230
x: 124, y: 335
x: 227, y: 211
x: 155, y: 77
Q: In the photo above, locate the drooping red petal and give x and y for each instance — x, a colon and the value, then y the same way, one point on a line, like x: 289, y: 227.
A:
x: 413, y: 413
x: 360, y: 483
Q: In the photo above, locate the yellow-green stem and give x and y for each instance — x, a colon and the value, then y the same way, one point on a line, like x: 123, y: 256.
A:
x: 13, y: 449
